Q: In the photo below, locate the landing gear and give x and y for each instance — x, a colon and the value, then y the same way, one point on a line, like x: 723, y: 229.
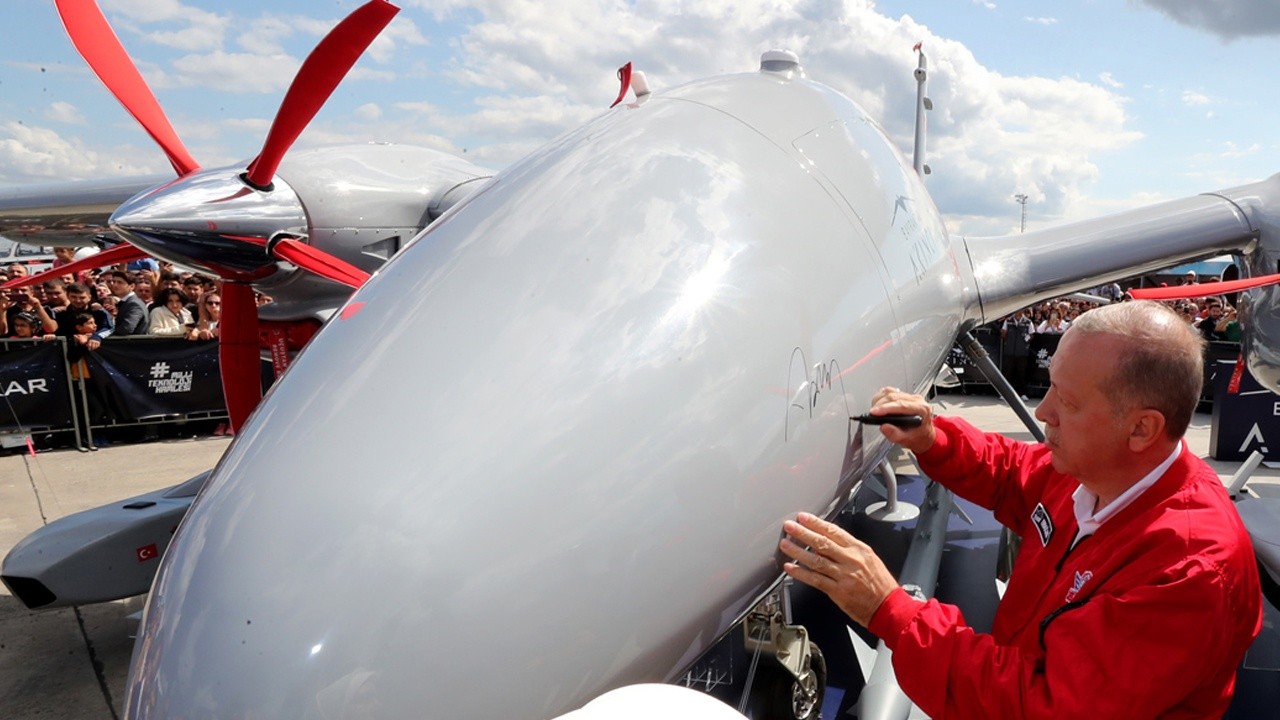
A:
x: 783, y: 696
x: 790, y: 679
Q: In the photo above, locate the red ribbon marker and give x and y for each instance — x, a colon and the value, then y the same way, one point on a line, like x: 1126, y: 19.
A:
x: 1233, y: 387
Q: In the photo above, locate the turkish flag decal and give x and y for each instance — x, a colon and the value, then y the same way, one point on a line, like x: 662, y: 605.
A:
x: 147, y: 553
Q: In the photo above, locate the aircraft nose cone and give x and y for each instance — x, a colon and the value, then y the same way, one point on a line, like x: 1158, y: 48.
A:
x: 196, y: 221
x: 545, y: 451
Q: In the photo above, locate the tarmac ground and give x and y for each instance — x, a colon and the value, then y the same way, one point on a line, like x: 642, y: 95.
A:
x: 72, y: 663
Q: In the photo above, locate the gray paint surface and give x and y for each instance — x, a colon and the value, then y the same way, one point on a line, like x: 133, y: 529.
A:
x: 602, y: 383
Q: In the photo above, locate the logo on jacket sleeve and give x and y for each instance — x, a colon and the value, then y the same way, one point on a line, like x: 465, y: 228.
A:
x: 1077, y: 584
x: 1043, y: 523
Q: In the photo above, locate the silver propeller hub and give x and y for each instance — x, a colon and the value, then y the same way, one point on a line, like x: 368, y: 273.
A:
x: 212, y: 221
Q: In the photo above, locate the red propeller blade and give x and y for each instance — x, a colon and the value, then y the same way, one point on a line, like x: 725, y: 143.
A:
x: 320, y: 262
x: 624, y: 82
x: 114, y: 256
x: 320, y: 74
x: 1203, y: 289
x: 99, y: 46
x: 238, y: 352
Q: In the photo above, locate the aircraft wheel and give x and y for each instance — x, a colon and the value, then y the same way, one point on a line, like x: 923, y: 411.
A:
x: 785, y: 697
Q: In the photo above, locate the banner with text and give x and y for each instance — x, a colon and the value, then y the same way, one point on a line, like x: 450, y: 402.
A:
x: 159, y: 377
x: 34, y: 387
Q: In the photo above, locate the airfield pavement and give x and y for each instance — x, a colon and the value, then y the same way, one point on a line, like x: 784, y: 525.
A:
x: 72, y: 663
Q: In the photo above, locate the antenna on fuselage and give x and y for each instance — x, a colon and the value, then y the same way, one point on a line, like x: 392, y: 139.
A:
x: 923, y: 104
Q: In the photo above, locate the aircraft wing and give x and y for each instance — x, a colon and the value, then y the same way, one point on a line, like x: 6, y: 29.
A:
x: 1013, y: 271
x: 68, y: 213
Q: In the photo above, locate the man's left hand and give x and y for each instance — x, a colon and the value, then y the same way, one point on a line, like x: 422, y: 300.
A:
x: 838, y: 564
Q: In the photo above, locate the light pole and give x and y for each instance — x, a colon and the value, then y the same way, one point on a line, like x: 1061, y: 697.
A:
x: 1022, y: 200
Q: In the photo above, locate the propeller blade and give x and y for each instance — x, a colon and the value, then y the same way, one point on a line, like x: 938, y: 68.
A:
x: 1203, y: 289
x: 320, y: 74
x: 119, y: 254
x: 98, y: 45
x: 624, y: 82
x: 238, y: 352
x: 319, y: 262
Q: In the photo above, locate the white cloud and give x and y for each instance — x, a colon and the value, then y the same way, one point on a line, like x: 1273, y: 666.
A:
x: 39, y: 154
x: 263, y: 36
x: 541, y: 68
x: 150, y: 10
x: 196, y: 30
x: 235, y: 72
x: 65, y: 112
x: 548, y: 66
x: 985, y: 4
x: 1230, y: 150
x: 400, y: 32
x: 1190, y: 97
x: 1042, y: 20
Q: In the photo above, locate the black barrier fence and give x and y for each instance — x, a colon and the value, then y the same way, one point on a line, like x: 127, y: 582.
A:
x: 147, y: 379
x: 1029, y: 373
x: 49, y: 387
x: 35, y: 382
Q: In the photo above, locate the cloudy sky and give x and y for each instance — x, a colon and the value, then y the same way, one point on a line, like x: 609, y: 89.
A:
x: 1086, y: 106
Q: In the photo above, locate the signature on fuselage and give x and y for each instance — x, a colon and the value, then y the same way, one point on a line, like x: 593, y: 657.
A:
x: 806, y: 385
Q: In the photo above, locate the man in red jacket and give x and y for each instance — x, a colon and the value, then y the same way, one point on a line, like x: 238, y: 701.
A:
x: 1135, y: 593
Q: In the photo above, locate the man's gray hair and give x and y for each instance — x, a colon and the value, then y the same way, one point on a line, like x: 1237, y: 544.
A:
x: 1162, y: 364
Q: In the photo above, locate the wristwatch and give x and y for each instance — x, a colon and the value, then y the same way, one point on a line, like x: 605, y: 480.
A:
x: 915, y: 591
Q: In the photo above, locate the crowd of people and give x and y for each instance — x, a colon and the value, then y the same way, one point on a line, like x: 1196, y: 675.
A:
x: 144, y: 297
x: 1213, y: 317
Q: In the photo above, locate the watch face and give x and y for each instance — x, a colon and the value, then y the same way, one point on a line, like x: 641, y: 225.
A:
x: 915, y: 591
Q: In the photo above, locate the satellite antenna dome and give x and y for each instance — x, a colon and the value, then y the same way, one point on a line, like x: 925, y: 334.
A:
x: 780, y: 61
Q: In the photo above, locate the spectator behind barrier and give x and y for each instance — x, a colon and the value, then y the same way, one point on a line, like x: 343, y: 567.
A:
x: 55, y: 295
x: 24, y: 325
x: 144, y: 288
x: 170, y: 317
x: 23, y: 300
x: 78, y: 300
x: 210, y: 314
x: 131, y: 314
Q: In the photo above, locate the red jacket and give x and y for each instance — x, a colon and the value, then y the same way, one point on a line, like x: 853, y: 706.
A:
x: 1149, y: 617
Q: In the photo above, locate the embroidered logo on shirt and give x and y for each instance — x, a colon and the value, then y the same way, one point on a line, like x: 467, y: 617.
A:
x: 1076, y: 585
x: 1043, y: 523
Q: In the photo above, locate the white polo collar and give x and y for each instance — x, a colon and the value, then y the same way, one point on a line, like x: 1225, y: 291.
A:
x: 1088, y: 521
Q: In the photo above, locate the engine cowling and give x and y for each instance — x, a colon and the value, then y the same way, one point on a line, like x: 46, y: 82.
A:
x: 1260, y: 307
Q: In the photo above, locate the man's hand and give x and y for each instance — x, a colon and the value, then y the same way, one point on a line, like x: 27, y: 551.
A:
x: 890, y: 401
x: 838, y: 564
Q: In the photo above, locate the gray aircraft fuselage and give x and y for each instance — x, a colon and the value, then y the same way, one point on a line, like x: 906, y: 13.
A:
x: 547, y: 450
